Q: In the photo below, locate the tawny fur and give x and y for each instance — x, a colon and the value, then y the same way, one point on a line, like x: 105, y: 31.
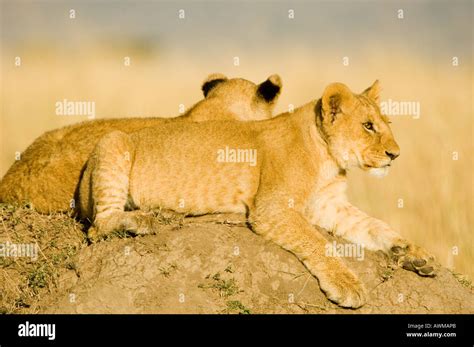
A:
x: 298, y: 181
x: 49, y: 170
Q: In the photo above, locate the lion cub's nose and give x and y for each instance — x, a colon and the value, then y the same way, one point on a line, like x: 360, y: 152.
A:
x: 392, y: 155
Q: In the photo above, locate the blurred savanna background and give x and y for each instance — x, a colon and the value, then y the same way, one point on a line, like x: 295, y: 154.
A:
x: 420, y: 51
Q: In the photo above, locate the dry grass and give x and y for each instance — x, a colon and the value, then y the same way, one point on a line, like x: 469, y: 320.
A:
x: 437, y: 191
x: 23, y: 280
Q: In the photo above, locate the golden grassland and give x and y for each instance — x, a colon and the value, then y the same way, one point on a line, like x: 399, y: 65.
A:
x: 436, y: 190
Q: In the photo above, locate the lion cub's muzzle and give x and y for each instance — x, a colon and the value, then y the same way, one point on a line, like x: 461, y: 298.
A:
x: 392, y: 150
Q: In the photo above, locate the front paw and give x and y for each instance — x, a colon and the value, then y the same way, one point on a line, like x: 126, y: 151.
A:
x: 414, y: 258
x: 343, y: 288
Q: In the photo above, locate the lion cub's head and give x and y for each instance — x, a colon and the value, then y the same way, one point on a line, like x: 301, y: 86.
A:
x: 355, y: 130
x: 236, y: 98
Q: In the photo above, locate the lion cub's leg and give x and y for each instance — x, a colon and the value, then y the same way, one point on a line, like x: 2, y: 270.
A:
x: 331, y: 210
x: 105, y: 187
x: 289, y: 229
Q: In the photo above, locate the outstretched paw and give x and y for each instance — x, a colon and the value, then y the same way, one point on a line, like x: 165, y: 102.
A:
x: 414, y: 258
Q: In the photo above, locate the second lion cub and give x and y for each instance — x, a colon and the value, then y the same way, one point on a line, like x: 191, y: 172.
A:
x: 49, y: 170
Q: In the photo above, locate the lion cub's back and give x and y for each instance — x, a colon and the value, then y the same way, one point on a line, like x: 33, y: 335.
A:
x: 196, y: 168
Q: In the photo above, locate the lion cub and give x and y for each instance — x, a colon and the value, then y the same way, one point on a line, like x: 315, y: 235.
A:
x: 49, y: 170
x: 287, y: 173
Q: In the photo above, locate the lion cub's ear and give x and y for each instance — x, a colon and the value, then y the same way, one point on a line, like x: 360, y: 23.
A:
x: 336, y: 97
x: 211, y: 81
x: 270, y: 89
x: 373, y: 91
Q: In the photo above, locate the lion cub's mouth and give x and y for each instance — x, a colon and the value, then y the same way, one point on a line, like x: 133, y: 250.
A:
x: 368, y: 167
x: 377, y: 171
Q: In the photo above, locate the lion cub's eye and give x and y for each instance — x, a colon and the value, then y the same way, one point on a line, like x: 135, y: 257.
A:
x: 369, y: 126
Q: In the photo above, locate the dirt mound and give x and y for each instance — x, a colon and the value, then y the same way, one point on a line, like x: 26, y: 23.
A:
x: 210, y: 264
